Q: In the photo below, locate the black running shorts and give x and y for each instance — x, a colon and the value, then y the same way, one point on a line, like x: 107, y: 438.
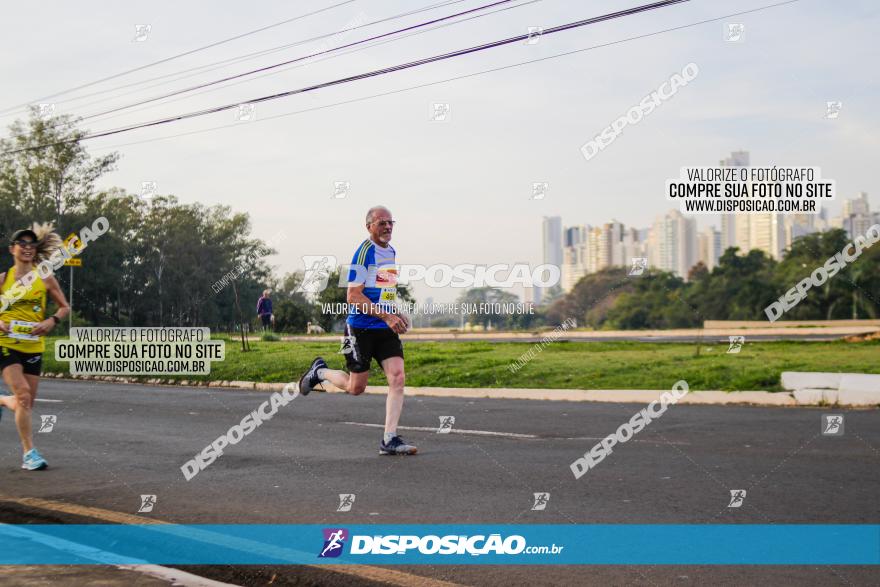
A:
x: 31, y: 363
x: 361, y: 345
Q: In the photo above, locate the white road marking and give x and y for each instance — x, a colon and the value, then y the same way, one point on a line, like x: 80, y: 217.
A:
x: 453, y: 430
x: 662, y: 442
x: 511, y: 434
x: 54, y: 401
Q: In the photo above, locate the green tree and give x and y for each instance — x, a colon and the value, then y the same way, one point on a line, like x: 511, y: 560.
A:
x: 834, y: 298
x: 292, y: 309
x: 46, y: 169
x: 591, y: 298
x: 656, y: 301
x: 738, y: 288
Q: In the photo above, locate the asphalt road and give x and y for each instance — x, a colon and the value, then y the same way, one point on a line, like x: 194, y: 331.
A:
x: 111, y: 443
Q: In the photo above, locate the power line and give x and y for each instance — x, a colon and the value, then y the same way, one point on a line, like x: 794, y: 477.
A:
x: 456, y: 78
x: 179, y: 55
x: 222, y: 63
x: 303, y: 58
x: 349, y: 52
x: 370, y: 74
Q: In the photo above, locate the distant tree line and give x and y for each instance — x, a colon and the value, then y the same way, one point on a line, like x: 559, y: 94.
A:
x: 739, y: 287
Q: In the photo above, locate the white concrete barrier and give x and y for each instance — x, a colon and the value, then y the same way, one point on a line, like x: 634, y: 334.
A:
x: 860, y: 382
x: 858, y: 389
x: 846, y: 389
x: 794, y: 380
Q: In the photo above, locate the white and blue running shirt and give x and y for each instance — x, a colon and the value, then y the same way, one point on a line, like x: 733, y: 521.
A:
x: 376, y: 268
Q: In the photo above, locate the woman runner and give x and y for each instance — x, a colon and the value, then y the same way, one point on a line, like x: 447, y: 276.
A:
x: 23, y: 324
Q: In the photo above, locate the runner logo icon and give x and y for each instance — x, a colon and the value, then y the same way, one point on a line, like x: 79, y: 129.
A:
x: 47, y: 423
x: 318, y: 270
x: 148, y: 502
x: 541, y: 500
x: 737, y: 497
x: 832, y: 424
x: 736, y: 344
x: 446, y: 424
x: 346, y: 500
x: 334, y: 541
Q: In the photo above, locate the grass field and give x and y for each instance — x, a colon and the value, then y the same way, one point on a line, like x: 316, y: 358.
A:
x: 560, y: 365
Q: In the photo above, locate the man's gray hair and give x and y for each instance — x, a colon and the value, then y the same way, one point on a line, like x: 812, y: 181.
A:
x: 373, y: 210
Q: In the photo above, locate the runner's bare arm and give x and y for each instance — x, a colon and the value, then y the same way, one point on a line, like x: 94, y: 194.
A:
x: 54, y: 291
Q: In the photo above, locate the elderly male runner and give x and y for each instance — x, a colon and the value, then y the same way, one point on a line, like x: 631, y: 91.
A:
x: 372, y: 329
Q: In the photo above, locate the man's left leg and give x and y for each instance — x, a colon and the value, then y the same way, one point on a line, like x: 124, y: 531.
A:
x: 393, y: 367
x: 392, y: 443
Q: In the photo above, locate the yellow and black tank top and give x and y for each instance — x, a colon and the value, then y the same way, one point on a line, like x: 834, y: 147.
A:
x: 22, y: 314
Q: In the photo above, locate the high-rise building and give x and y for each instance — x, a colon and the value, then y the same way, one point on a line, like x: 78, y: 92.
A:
x: 728, y: 231
x: 709, y: 247
x: 735, y: 227
x: 858, y: 205
x: 736, y: 159
x: 551, y: 241
x: 615, y: 239
x: 572, y: 236
x: 673, y: 243
x: 767, y: 233
x: 633, y: 245
x: 752, y: 231
x: 597, y: 250
x: 857, y: 217
x: 798, y: 225
x: 573, y: 266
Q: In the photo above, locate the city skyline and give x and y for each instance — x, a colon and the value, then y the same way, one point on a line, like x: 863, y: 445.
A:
x: 674, y: 243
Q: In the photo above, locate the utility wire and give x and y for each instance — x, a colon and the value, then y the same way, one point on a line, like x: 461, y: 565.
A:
x: 183, y: 74
x: 367, y: 75
x: 303, y: 58
x: 179, y: 55
x: 456, y: 78
x: 327, y: 58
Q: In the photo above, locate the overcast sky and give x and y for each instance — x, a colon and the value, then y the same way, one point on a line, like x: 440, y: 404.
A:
x: 459, y: 189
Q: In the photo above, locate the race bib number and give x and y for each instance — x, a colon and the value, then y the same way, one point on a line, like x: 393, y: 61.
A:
x: 21, y: 330
x: 386, y: 280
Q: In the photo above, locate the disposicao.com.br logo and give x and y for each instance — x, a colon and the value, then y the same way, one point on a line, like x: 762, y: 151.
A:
x: 452, y: 544
x: 318, y: 269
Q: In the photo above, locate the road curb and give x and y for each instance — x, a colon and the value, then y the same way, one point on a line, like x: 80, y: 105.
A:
x: 640, y: 396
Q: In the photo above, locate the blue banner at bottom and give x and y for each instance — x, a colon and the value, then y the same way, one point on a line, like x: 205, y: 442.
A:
x: 651, y: 544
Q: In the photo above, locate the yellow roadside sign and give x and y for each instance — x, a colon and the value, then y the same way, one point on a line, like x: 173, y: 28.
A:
x: 72, y: 243
x: 73, y: 246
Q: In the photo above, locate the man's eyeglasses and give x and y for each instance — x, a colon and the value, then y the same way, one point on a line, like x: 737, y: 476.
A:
x: 384, y: 223
x: 25, y: 244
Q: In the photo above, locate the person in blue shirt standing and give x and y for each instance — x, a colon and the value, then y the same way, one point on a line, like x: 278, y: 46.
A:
x: 264, y: 310
x: 372, y: 329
